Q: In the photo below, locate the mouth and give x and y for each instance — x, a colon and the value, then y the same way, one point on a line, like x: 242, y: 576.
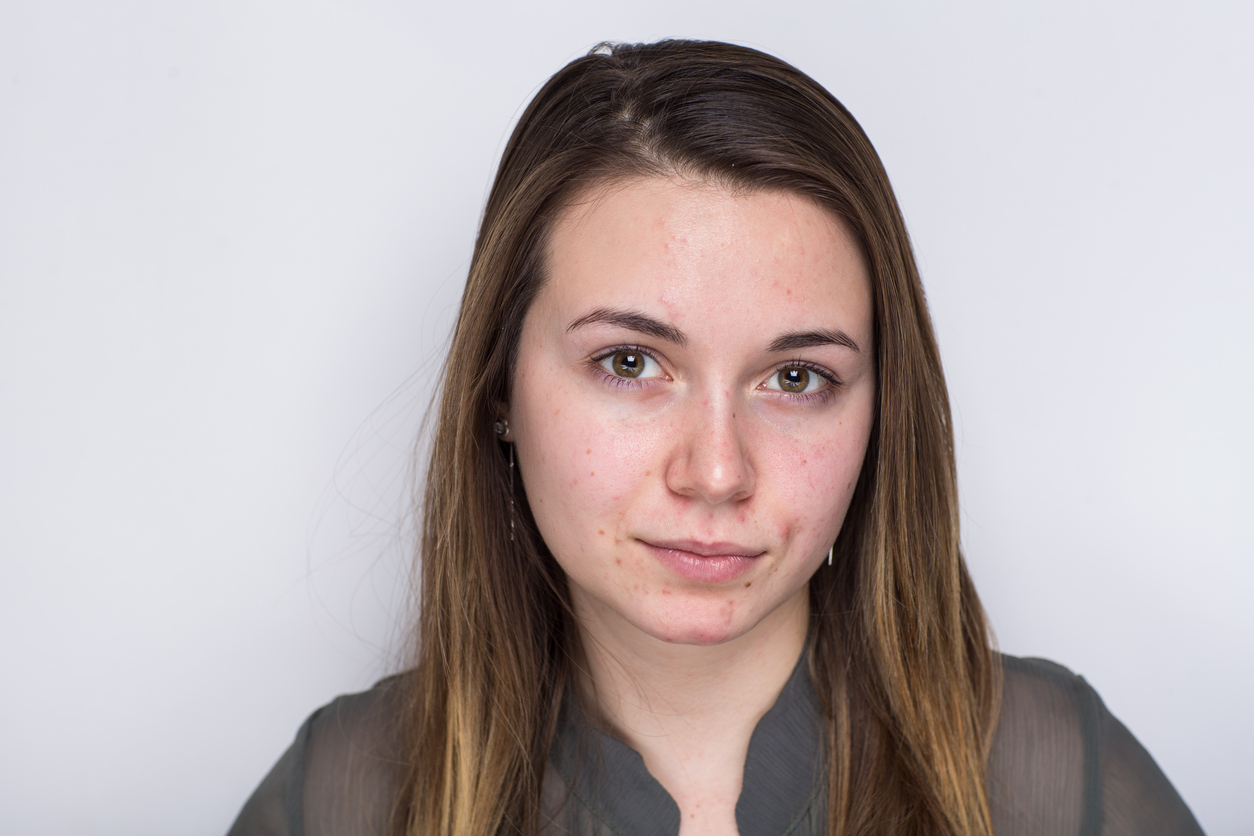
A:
x: 710, y: 563
x: 695, y: 547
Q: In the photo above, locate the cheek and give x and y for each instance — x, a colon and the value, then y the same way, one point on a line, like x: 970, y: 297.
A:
x: 582, y: 464
x: 814, y: 480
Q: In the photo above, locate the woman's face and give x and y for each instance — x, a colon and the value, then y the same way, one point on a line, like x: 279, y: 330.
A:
x: 694, y: 390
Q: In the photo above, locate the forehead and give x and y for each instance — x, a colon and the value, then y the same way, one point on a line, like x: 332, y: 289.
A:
x: 697, y: 253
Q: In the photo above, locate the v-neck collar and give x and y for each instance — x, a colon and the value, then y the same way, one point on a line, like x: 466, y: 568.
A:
x: 781, y: 786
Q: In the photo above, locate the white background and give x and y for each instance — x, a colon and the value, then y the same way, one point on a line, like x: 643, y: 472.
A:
x: 232, y: 238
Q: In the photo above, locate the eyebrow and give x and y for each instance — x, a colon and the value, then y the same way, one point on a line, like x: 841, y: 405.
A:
x: 811, y: 339
x: 644, y: 324
x: 632, y: 321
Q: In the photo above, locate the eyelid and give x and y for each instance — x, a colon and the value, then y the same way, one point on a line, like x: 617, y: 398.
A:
x: 832, y: 381
x: 604, y: 354
x: 610, y: 351
x: 822, y: 371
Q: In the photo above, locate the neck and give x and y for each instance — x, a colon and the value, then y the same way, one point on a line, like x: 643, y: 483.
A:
x: 689, y: 710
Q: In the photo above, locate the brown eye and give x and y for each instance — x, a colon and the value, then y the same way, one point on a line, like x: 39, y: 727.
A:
x: 627, y: 363
x: 630, y: 364
x: 793, y: 380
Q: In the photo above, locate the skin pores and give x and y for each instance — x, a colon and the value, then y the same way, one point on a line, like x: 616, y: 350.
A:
x: 693, y: 393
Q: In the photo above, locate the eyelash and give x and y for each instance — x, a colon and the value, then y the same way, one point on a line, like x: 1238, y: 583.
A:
x: 820, y: 396
x: 621, y: 382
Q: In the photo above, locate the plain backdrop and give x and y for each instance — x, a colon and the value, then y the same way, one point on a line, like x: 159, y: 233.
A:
x: 233, y: 234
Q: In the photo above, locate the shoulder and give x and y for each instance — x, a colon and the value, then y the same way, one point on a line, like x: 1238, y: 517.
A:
x: 1042, y: 691
x: 358, y: 727
x: 1041, y: 767
x: 353, y: 762
x: 1048, y: 704
x: 341, y: 773
x: 1061, y: 762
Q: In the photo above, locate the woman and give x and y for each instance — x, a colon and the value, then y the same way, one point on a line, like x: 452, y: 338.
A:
x: 690, y: 559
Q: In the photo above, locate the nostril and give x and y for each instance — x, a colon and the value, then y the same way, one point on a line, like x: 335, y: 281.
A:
x: 710, y: 458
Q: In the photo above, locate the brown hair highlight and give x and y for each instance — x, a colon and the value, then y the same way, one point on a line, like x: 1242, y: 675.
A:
x: 901, y: 657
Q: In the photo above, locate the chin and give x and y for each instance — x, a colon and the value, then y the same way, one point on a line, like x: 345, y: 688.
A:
x: 699, y: 623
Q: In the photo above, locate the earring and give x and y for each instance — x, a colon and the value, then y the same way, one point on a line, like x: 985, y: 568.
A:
x: 501, y: 427
x: 511, y: 493
x: 830, y: 549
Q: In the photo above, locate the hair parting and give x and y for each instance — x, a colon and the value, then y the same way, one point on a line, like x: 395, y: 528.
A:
x: 900, y: 653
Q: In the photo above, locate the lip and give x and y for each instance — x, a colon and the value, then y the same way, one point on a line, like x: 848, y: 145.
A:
x: 704, y: 562
x: 700, y: 549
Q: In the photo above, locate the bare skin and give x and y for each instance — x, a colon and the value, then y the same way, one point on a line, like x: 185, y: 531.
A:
x: 690, y: 711
x: 693, y: 395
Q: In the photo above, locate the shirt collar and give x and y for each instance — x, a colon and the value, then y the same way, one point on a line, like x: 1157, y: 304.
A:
x: 783, y: 769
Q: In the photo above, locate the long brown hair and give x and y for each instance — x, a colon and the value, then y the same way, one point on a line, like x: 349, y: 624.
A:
x: 900, y: 653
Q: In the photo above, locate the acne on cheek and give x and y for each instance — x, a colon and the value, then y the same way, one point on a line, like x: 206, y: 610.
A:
x: 822, y: 466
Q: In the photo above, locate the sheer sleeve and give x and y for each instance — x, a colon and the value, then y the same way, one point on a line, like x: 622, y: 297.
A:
x: 274, y: 807
x: 1137, y: 798
x: 1062, y: 764
x: 340, y: 775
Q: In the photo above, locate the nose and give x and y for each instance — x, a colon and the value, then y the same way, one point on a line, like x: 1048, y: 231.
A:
x: 710, y: 461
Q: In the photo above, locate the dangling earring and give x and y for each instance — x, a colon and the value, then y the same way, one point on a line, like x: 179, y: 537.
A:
x: 830, y: 549
x: 502, y: 427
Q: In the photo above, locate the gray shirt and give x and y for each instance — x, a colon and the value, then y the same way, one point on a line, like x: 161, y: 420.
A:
x: 1061, y: 764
